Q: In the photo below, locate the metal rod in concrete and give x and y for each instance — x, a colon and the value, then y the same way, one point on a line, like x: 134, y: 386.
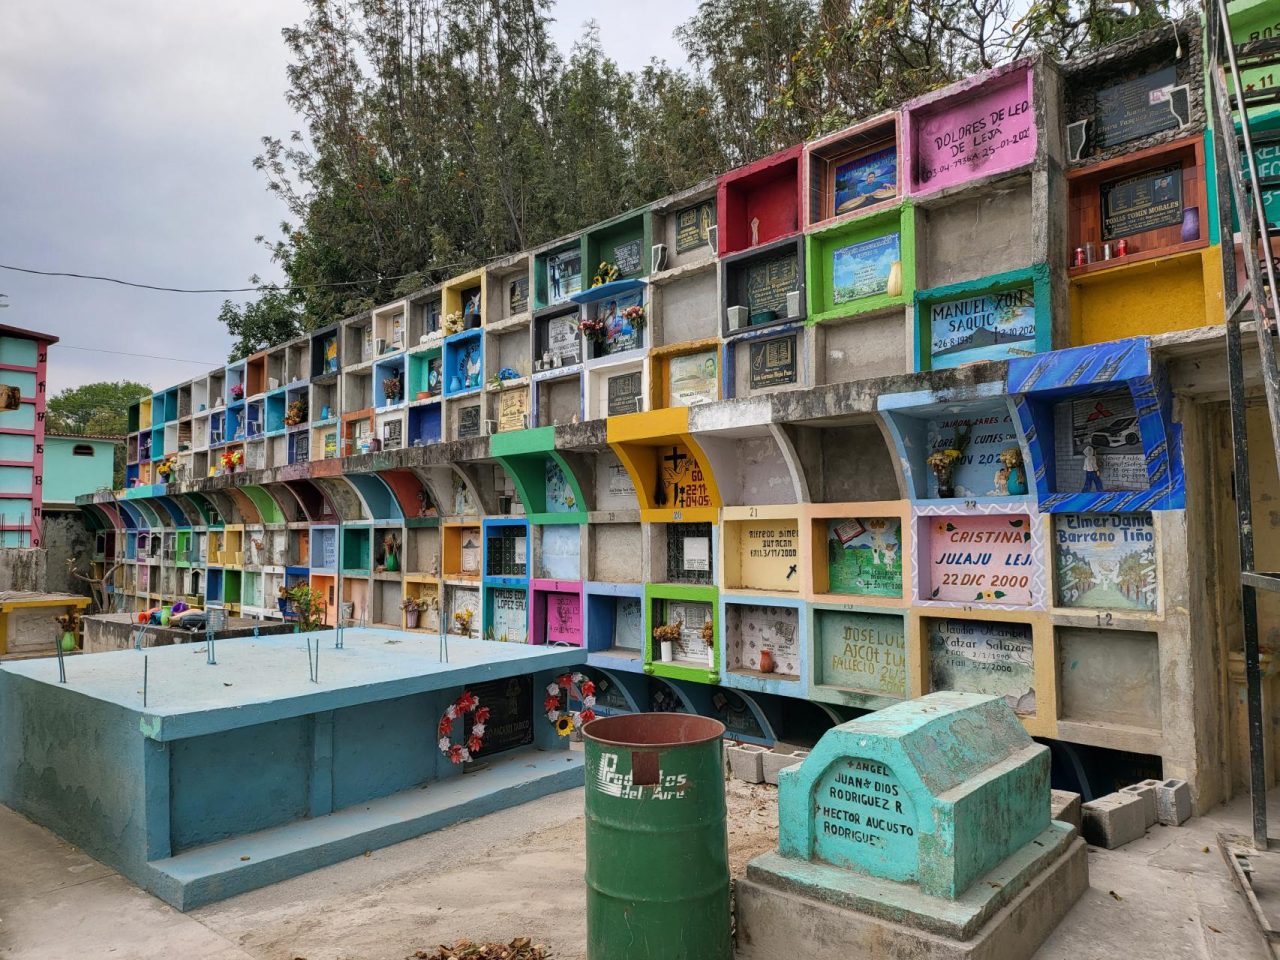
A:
x: 145, y: 678
x: 62, y: 663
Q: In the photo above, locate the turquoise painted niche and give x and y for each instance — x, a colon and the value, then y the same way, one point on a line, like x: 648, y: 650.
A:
x: 993, y: 318
x: 934, y: 792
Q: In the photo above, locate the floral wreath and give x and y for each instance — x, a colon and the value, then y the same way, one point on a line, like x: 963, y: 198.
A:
x: 565, y: 720
x: 459, y: 752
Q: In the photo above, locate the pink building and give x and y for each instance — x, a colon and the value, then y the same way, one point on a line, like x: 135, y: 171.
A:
x: 24, y: 356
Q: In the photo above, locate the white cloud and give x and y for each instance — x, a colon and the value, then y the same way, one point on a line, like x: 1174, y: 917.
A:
x: 129, y: 129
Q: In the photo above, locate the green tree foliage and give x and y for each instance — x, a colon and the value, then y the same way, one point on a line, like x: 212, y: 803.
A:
x: 94, y: 409
x: 273, y: 318
x: 437, y: 134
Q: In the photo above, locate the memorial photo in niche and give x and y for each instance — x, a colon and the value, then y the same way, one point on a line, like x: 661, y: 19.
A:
x: 763, y: 638
x: 564, y: 275
x: 994, y: 326
x: 864, y: 556
x: 1105, y: 560
x: 980, y: 656
x: 623, y: 329
x: 773, y: 362
x: 1104, y: 450
x: 518, y: 296
x: 693, y: 226
x: 692, y: 378
x: 979, y: 559
x: 864, y: 652
x: 866, y: 268
x: 1146, y: 201
x: 863, y: 180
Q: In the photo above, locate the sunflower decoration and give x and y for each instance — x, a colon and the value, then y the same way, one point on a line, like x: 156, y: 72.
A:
x: 605, y: 273
x: 558, y: 691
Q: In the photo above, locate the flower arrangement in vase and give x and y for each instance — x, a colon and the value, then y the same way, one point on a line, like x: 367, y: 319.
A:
x: 605, y: 273
x: 411, y: 610
x: 392, y: 388
x: 942, y: 463
x: 593, y: 328
x: 453, y: 323
x: 634, y: 315
x: 166, y: 468
x: 462, y: 621
x: 69, y: 624
x: 296, y: 413
x: 666, y: 635
x: 237, y: 391
x: 231, y: 459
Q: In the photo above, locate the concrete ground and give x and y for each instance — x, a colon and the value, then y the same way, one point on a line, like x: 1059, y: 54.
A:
x: 519, y: 873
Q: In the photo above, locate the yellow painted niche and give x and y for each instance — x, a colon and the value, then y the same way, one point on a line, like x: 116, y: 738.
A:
x: 1179, y: 292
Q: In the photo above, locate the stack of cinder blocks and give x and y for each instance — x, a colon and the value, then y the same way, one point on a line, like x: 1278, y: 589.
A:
x: 1118, y: 818
x: 755, y: 764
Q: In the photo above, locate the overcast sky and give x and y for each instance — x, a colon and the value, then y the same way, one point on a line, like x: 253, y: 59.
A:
x: 126, y: 135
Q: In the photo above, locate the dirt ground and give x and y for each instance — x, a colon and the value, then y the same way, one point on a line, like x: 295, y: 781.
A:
x: 526, y: 879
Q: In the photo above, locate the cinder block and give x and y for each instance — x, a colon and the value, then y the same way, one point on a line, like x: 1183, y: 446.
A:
x: 1147, y: 791
x: 1173, y: 802
x: 1113, y: 820
x: 745, y: 762
x: 1064, y: 806
x: 772, y: 761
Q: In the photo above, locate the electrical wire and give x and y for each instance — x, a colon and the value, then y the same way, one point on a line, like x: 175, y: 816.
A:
x: 123, y: 353
x: 258, y: 289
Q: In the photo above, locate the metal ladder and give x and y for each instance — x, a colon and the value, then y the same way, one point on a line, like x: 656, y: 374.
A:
x: 1234, y: 108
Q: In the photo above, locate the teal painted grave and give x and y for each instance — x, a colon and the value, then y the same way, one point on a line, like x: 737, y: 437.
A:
x: 920, y: 830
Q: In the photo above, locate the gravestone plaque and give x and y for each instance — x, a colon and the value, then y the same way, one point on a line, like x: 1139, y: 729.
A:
x: 1105, y: 560
x: 865, y: 820
x: 691, y: 378
x: 469, y: 422
x: 392, y: 434
x: 985, y: 131
x: 693, y: 225
x: 993, y: 326
x: 1108, y: 425
x: 626, y: 257
x: 564, y: 275
x: 769, y: 282
x: 864, y: 652
x: 691, y: 614
x: 628, y: 623
x: 624, y: 391
x: 620, y: 334
x: 518, y: 296
x: 559, y: 552
x: 979, y: 656
x: 773, y: 362
x: 980, y: 559
x: 1146, y: 201
x: 864, y: 556
x: 1135, y: 108
x: 689, y: 553
x: 562, y: 337
x: 510, y: 704
x: 564, y: 618
x: 510, y: 615
x: 513, y: 410
x: 864, y: 269
x: 301, y: 447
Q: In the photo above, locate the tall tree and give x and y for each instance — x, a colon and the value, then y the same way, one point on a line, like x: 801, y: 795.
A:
x: 94, y: 409
x: 273, y: 318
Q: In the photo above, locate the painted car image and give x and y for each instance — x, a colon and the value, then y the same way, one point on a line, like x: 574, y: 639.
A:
x: 1122, y: 433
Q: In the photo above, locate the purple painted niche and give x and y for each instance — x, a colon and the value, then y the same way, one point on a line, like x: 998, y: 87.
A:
x: 972, y: 129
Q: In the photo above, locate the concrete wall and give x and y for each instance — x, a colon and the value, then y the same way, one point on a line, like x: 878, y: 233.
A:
x: 116, y: 631
x: 977, y: 235
x: 868, y: 346
x: 24, y: 569
x: 846, y: 463
x: 689, y: 308
x: 616, y: 553
x: 66, y: 538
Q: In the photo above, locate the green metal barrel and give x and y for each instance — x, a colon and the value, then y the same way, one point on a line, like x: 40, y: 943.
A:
x: 657, y: 849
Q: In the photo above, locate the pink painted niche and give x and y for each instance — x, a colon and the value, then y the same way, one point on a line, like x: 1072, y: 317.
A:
x: 975, y: 128
x: 986, y: 559
x: 555, y: 612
